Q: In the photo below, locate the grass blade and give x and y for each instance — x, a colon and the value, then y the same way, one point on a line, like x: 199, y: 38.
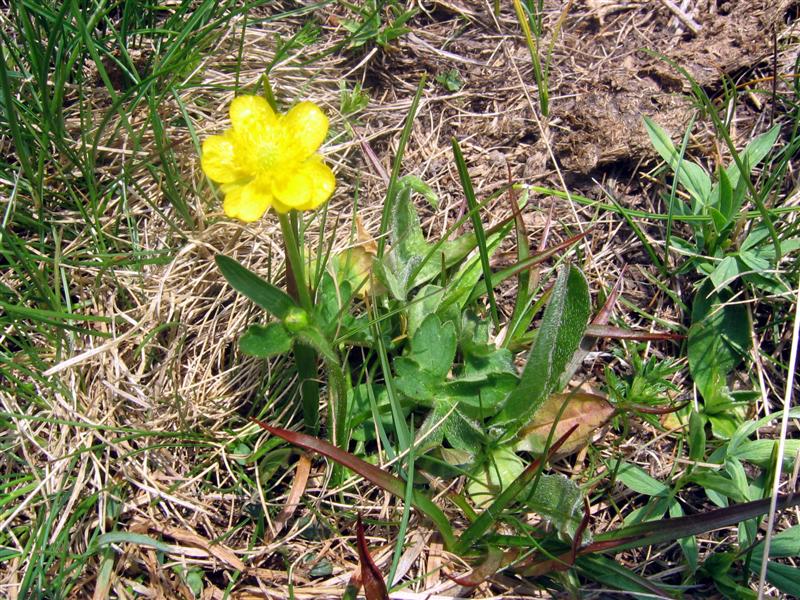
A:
x: 480, y: 234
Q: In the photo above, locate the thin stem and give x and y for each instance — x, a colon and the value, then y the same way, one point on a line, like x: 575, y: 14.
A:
x: 305, y: 356
x: 295, y: 262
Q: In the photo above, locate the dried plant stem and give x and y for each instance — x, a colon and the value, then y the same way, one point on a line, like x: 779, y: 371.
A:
x: 787, y: 402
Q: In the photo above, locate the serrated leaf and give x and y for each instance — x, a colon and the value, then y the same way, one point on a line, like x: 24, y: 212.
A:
x: 413, y: 381
x: 588, y: 411
x: 265, y: 341
x: 433, y: 346
x: 557, y: 339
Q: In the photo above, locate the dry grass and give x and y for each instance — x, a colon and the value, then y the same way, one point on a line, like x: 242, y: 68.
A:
x: 170, y: 364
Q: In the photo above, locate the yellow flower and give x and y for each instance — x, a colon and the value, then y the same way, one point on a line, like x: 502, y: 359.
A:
x: 269, y: 160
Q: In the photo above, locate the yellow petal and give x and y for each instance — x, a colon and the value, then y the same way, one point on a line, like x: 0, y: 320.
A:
x: 247, y: 203
x: 292, y: 191
x: 248, y: 112
x: 217, y: 160
x: 307, y: 125
x: 307, y: 188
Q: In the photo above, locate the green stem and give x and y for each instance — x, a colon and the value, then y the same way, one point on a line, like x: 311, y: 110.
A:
x: 304, y: 355
x: 295, y: 262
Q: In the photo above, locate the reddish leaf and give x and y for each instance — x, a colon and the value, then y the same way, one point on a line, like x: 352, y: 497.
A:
x: 605, y: 313
x: 617, y: 333
x: 371, y: 578
x: 539, y: 257
x: 667, y: 530
x: 586, y: 412
x: 376, y: 475
x: 656, y: 532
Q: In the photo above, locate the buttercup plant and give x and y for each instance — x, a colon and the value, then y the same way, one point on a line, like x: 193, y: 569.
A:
x: 269, y: 160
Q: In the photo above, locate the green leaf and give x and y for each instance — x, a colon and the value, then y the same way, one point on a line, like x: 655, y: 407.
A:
x: 413, y: 381
x: 639, y: 481
x: 557, y: 339
x: 265, y: 341
x: 560, y: 501
x: 725, y: 272
x: 785, y: 544
x: 725, y: 203
x: 263, y: 293
x: 784, y: 577
x: 753, y: 154
x: 494, y: 475
x: 618, y: 577
x: 691, y: 176
x: 489, y: 516
x: 433, y: 346
x: 697, y: 436
x: 425, y: 303
x: 747, y: 429
x: 718, y: 339
x: 720, y: 484
x: 417, y: 185
x: 760, y: 452
x: 688, y: 544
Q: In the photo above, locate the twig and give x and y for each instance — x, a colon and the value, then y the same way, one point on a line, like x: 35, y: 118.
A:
x: 686, y: 19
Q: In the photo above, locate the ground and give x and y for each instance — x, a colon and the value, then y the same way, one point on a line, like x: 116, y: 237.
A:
x: 141, y: 420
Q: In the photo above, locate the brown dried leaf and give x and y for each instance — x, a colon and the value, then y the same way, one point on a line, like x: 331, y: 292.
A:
x: 371, y: 578
x: 588, y: 412
x: 298, y: 487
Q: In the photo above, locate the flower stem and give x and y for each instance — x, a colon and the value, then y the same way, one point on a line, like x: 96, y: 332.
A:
x: 296, y: 266
x: 304, y: 355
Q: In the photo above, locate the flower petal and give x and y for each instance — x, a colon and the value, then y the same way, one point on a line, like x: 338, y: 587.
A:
x: 217, y: 160
x: 247, y: 203
x: 307, y: 125
x: 248, y: 112
x: 307, y: 188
